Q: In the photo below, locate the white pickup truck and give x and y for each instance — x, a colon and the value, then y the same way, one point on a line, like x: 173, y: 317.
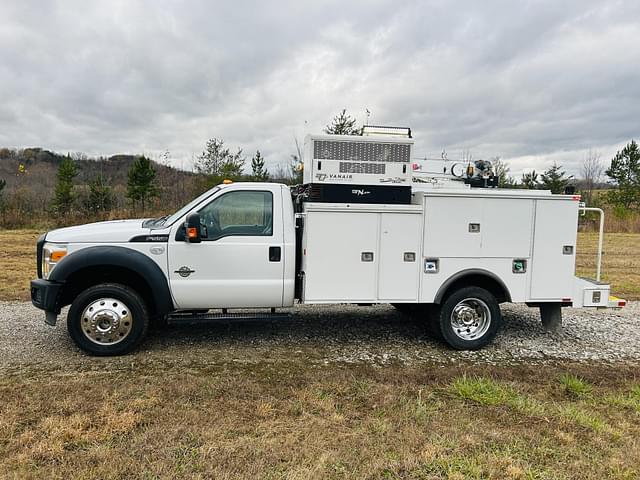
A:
x: 448, y: 252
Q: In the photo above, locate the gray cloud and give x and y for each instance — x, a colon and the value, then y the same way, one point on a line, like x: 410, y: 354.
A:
x: 530, y: 81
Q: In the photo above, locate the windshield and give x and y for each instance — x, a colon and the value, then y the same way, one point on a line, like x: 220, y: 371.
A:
x: 189, y: 206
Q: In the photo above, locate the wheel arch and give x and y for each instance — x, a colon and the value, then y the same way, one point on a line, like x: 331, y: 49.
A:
x: 474, y: 277
x: 112, y: 264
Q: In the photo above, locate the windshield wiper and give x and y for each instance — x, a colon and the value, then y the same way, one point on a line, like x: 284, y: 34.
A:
x: 156, y: 221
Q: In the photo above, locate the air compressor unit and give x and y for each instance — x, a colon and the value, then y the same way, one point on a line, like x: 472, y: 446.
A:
x: 358, y: 169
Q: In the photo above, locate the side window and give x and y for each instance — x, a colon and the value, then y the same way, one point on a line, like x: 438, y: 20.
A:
x: 239, y: 213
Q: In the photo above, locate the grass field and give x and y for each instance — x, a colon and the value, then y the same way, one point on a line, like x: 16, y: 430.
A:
x: 17, y: 263
x: 290, y: 421
x: 621, y: 262
x: 293, y: 419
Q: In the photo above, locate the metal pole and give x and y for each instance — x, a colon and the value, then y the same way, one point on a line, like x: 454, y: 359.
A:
x: 600, y: 237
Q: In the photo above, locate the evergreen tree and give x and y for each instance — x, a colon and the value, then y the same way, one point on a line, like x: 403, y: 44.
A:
x: 555, y: 179
x: 218, y: 163
x: 625, y: 173
x: 100, y: 196
x: 3, y: 183
x: 343, y: 124
x: 141, y: 182
x: 64, y: 192
x: 530, y: 180
x: 258, y: 171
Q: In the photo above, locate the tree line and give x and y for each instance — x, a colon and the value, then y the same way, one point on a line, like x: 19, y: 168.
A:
x: 145, y: 191
x: 46, y: 188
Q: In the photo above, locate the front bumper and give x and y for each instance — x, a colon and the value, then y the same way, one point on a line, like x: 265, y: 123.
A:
x: 44, y: 295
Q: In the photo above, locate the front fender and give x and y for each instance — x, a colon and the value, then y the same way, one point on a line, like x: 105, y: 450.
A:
x: 124, y: 258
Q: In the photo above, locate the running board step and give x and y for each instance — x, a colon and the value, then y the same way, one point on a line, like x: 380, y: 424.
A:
x: 225, y: 317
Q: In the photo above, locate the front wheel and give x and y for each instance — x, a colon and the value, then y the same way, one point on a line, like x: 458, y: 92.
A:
x: 108, y: 319
x: 469, y: 318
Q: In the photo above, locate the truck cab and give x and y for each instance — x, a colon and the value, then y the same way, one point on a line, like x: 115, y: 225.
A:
x: 238, y: 251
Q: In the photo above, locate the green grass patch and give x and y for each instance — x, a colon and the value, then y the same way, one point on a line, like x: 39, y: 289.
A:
x: 627, y: 400
x: 575, y: 386
x: 488, y: 392
x: 485, y: 391
x: 583, y: 418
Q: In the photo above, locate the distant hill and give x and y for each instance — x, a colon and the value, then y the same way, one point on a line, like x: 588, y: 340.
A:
x: 40, y: 168
x: 30, y: 174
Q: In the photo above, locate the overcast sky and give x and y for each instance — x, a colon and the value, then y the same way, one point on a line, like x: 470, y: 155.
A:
x: 531, y: 82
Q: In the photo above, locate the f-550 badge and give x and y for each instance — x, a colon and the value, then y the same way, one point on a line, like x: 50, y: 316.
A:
x: 184, y: 271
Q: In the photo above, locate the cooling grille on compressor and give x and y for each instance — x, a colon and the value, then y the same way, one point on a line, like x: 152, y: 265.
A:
x: 361, y: 151
x: 364, y: 167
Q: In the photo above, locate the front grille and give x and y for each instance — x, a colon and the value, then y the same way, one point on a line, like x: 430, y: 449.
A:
x: 361, y: 151
x: 362, y: 167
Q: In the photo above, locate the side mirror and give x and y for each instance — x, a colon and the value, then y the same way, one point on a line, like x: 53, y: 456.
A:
x: 193, y: 228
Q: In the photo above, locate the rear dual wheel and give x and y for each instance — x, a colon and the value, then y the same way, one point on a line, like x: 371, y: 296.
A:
x: 468, y: 319
x: 108, y: 319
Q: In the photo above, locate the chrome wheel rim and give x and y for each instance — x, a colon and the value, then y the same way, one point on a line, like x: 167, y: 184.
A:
x: 470, y: 319
x: 106, y: 321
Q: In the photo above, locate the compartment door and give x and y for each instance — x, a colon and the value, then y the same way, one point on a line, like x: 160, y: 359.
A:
x: 553, y: 267
x: 341, y: 257
x: 400, y: 239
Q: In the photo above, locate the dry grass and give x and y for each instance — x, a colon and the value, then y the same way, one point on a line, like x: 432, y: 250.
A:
x: 298, y: 420
x: 621, y: 262
x: 17, y: 263
x: 293, y: 421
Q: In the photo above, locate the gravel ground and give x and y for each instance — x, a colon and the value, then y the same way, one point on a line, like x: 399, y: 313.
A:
x: 320, y: 335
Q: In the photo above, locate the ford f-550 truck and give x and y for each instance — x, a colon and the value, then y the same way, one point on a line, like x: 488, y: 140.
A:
x: 363, y: 230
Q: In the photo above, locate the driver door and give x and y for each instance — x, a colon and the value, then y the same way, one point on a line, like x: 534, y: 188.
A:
x: 240, y: 261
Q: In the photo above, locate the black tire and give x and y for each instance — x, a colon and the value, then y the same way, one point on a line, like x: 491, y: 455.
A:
x: 469, y: 318
x: 96, y: 332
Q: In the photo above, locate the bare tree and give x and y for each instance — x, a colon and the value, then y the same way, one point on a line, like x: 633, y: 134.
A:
x: 297, y: 164
x: 281, y: 173
x: 502, y: 169
x: 592, y: 171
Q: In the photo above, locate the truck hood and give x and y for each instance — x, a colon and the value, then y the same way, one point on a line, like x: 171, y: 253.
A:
x: 117, y: 231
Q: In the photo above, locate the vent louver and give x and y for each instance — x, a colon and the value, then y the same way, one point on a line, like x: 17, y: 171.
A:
x: 361, y: 151
x: 367, y: 168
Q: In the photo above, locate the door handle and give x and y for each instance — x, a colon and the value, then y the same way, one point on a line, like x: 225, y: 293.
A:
x: 275, y: 254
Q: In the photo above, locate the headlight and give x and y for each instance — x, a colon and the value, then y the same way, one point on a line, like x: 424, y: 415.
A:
x: 52, y: 253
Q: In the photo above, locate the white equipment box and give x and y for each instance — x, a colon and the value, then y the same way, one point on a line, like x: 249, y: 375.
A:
x: 408, y: 253
x: 366, y: 160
